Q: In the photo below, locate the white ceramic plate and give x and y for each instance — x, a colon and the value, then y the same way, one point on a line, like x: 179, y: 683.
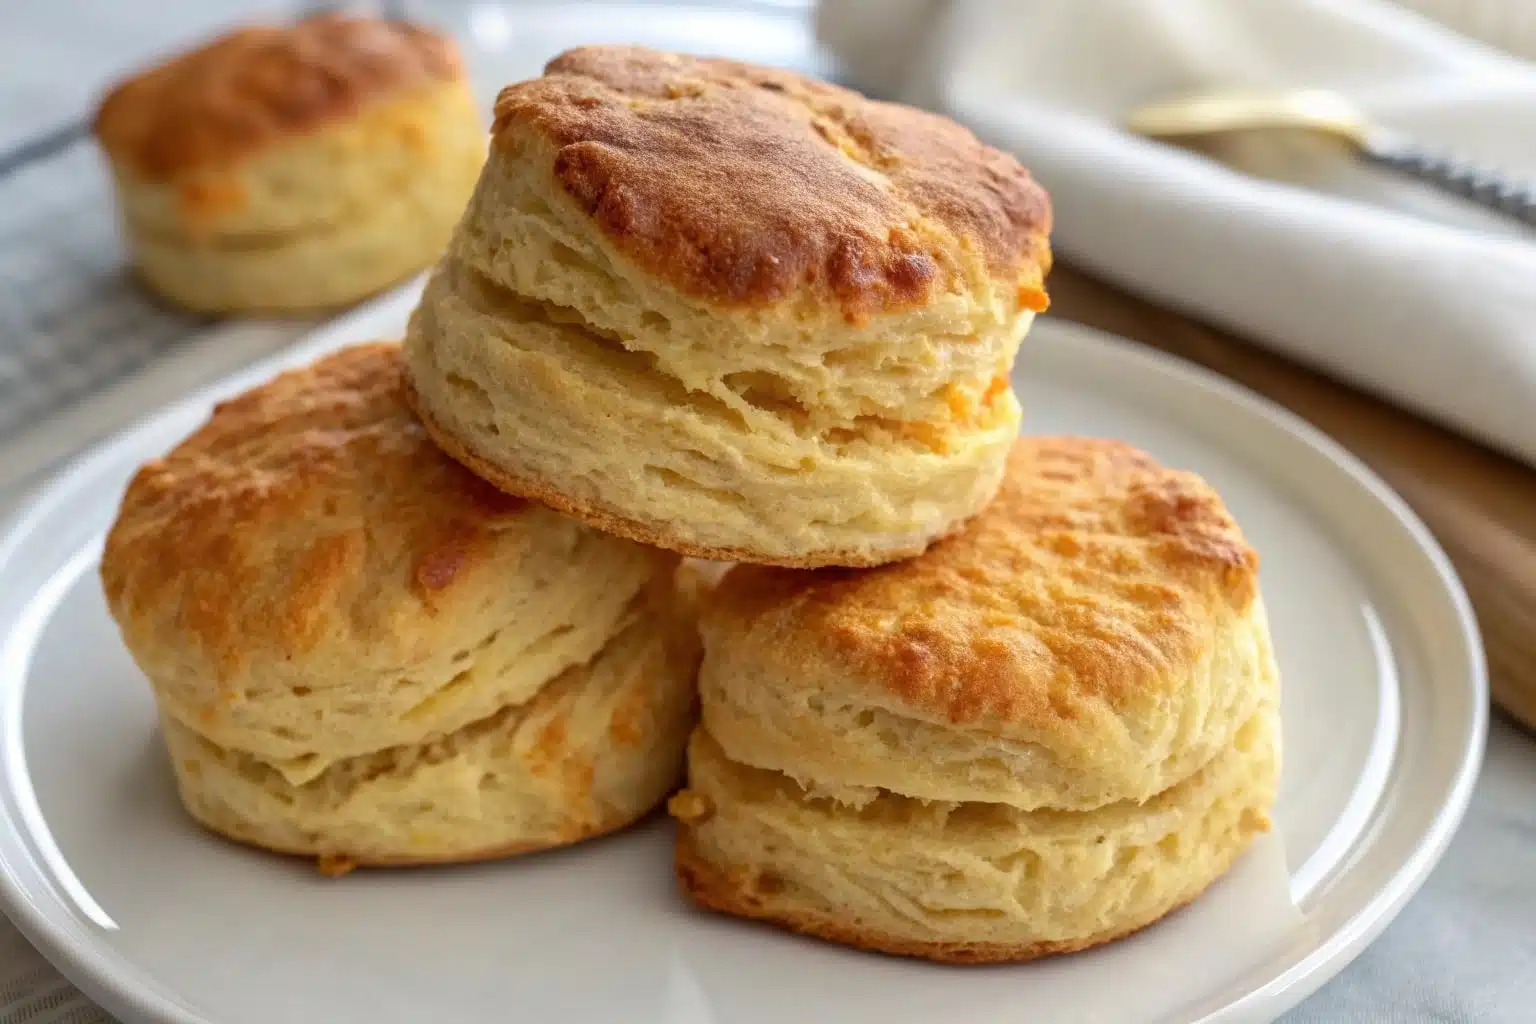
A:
x: 1383, y: 713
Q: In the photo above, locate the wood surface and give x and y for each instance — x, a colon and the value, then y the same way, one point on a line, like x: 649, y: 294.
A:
x: 1481, y: 505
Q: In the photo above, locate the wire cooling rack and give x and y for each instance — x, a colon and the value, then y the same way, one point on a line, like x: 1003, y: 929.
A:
x: 71, y: 319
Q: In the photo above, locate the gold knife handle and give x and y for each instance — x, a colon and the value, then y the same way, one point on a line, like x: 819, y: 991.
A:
x: 1481, y: 185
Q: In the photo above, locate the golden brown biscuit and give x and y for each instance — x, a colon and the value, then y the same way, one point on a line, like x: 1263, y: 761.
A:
x: 733, y: 312
x: 309, y: 584
x: 294, y: 167
x: 1045, y: 732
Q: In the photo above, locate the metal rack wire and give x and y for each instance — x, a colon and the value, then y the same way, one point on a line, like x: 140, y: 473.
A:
x: 71, y: 319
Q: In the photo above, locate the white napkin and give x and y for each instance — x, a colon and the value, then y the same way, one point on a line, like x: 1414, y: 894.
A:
x: 1377, y: 281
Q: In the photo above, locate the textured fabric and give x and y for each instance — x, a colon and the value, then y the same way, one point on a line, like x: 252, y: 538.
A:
x: 1509, y: 25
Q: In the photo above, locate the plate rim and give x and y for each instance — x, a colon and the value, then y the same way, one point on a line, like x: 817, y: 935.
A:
x: 80, y: 961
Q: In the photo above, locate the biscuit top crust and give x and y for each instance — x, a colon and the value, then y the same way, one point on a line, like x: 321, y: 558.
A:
x: 263, y: 84
x: 1097, y: 578
x: 742, y: 185
x: 309, y: 512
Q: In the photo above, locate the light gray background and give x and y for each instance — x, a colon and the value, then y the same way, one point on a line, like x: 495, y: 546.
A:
x: 72, y: 325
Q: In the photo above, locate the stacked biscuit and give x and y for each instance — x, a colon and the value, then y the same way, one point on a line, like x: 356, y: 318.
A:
x: 971, y: 697
x: 289, y: 168
x: 733, y: 312
x: 1045, y: 733
x: 363, y: 653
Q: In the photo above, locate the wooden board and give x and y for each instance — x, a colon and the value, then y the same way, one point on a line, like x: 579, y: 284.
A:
x: 1481, y: 505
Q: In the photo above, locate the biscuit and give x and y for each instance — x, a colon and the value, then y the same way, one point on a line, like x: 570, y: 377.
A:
x: 1045, y: 732
x: 293, y: 168
x: 733, y: 312
x: 311, y: 586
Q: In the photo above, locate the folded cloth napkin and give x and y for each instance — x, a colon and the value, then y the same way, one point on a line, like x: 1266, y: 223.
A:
x: 1374, y: 280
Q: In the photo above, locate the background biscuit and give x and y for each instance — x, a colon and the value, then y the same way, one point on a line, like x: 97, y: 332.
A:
x: 294, y: 167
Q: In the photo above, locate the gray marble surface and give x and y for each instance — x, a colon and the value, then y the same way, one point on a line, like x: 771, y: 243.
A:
x: 71, y: 324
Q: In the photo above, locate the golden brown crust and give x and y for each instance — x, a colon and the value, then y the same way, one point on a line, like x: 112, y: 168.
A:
x: 607, y: 522
x: 712, y: 890
x: 261, y: 84
x: 1094, y: 578
x: 743, y: 185
x: 287, y: 505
